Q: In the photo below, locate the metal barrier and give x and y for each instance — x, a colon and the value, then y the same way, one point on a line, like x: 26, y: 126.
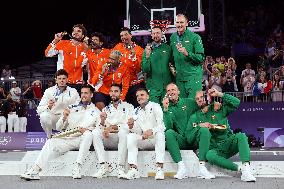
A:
x: 273, y: 96
x: 8, y: 83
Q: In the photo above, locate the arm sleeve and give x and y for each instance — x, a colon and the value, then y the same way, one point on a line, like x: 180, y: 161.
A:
x: 60, y: 124
x: 92, y: 121
x: 230, y: 104
x: 146, y: 63
x: 198, y: 55
x: 168, y: 120
x: 97, y: 75
x: 159, y: 119
x: 43, y: 104
x: 53, y: 49
x: 137, y: 62
x: 125, y: 85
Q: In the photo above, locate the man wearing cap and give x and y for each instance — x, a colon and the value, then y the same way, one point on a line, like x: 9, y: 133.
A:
x: 109, y: 72
x: 55, y: 99
x: 15, y: 91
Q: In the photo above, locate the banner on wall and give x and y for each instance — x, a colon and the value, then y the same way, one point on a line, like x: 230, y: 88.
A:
x: 253, y: 118
x: 13, y: 141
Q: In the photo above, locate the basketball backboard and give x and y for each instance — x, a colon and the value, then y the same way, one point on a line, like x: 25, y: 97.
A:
x: 140, y: 12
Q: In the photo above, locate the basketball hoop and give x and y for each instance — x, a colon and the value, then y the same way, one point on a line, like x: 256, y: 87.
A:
x: 163, y: 24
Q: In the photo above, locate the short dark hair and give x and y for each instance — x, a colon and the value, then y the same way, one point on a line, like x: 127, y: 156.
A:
x: 117, y: 85
x: 100, y: 36
x: 82, y: 27
x: 125, y: 29
x: 88, y: 86
x: 61, y: 72
x: 157, y: 27
x: 142, y: 89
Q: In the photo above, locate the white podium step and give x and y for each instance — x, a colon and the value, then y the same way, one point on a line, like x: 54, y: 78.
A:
x: 63, y: 165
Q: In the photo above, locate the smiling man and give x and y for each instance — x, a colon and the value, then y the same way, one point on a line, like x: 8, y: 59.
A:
x: 55, y: 99
x: 113, y: 132
x: 146, y: 132
x: 155, y: 63
x: 188, y: 53
x: 70, y: 54
x: 84, y: 117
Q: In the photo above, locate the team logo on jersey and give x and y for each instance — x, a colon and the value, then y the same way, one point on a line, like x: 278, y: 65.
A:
x: 119, y: 75
x: 183, y: 108
x: 213, y: 116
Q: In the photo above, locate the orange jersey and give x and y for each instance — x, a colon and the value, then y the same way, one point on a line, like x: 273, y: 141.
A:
x: 94, y: 60
x: 70, y: 58
x: 133, y: 62
x: 118, y: 76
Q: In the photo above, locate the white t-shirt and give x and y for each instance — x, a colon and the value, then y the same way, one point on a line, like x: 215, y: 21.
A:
x: 15, y: 91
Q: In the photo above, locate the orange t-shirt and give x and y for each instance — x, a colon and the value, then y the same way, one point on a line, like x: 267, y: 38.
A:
x: 120, y: 75
x: 133, y: 62
x: 70, y: 58
x: 94, y: 60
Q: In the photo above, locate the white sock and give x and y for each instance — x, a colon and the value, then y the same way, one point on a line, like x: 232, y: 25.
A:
x: 181, y: 165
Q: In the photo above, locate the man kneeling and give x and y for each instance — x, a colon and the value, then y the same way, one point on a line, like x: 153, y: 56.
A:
x: 84, y: 117
x: 147, y: 129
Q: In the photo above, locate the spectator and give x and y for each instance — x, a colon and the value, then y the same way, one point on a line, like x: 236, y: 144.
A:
x: 28, y: 92
x: 37, y: 89
x: 28, y: 95
x: 2, y: 92
x: 229, y: 82
x: 215, y: 80
x: 232, y: 64
x: 247, y: 82
x: 262, y: 88
x: 6, y: 72
x: 10, y: 108
x: 277, y: 87
x: 22, y: 114
x: 280, y: 72
x: 6, y: 75
x: 220, y: 65
x: 15, y: 91
x: 2, y: 117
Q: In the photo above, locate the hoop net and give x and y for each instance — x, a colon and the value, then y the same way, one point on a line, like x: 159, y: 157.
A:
x: 163, y: 24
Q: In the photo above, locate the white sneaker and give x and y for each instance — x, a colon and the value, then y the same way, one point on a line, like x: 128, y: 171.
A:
x: 181, y: 174
x: 247, y: 175
x: 103, y: 171
x: 160, y: 174
x: 204, y: 173
x: 76, y: 174
x: 30, y: 175
x: 120, y: 172
x: 132, y: 174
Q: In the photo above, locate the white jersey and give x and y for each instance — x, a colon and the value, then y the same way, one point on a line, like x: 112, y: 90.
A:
x: 15, y: 91
x: 86, y: 117
x: 62, y: 100
x: 120, y: 115
x: 150, y: 118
